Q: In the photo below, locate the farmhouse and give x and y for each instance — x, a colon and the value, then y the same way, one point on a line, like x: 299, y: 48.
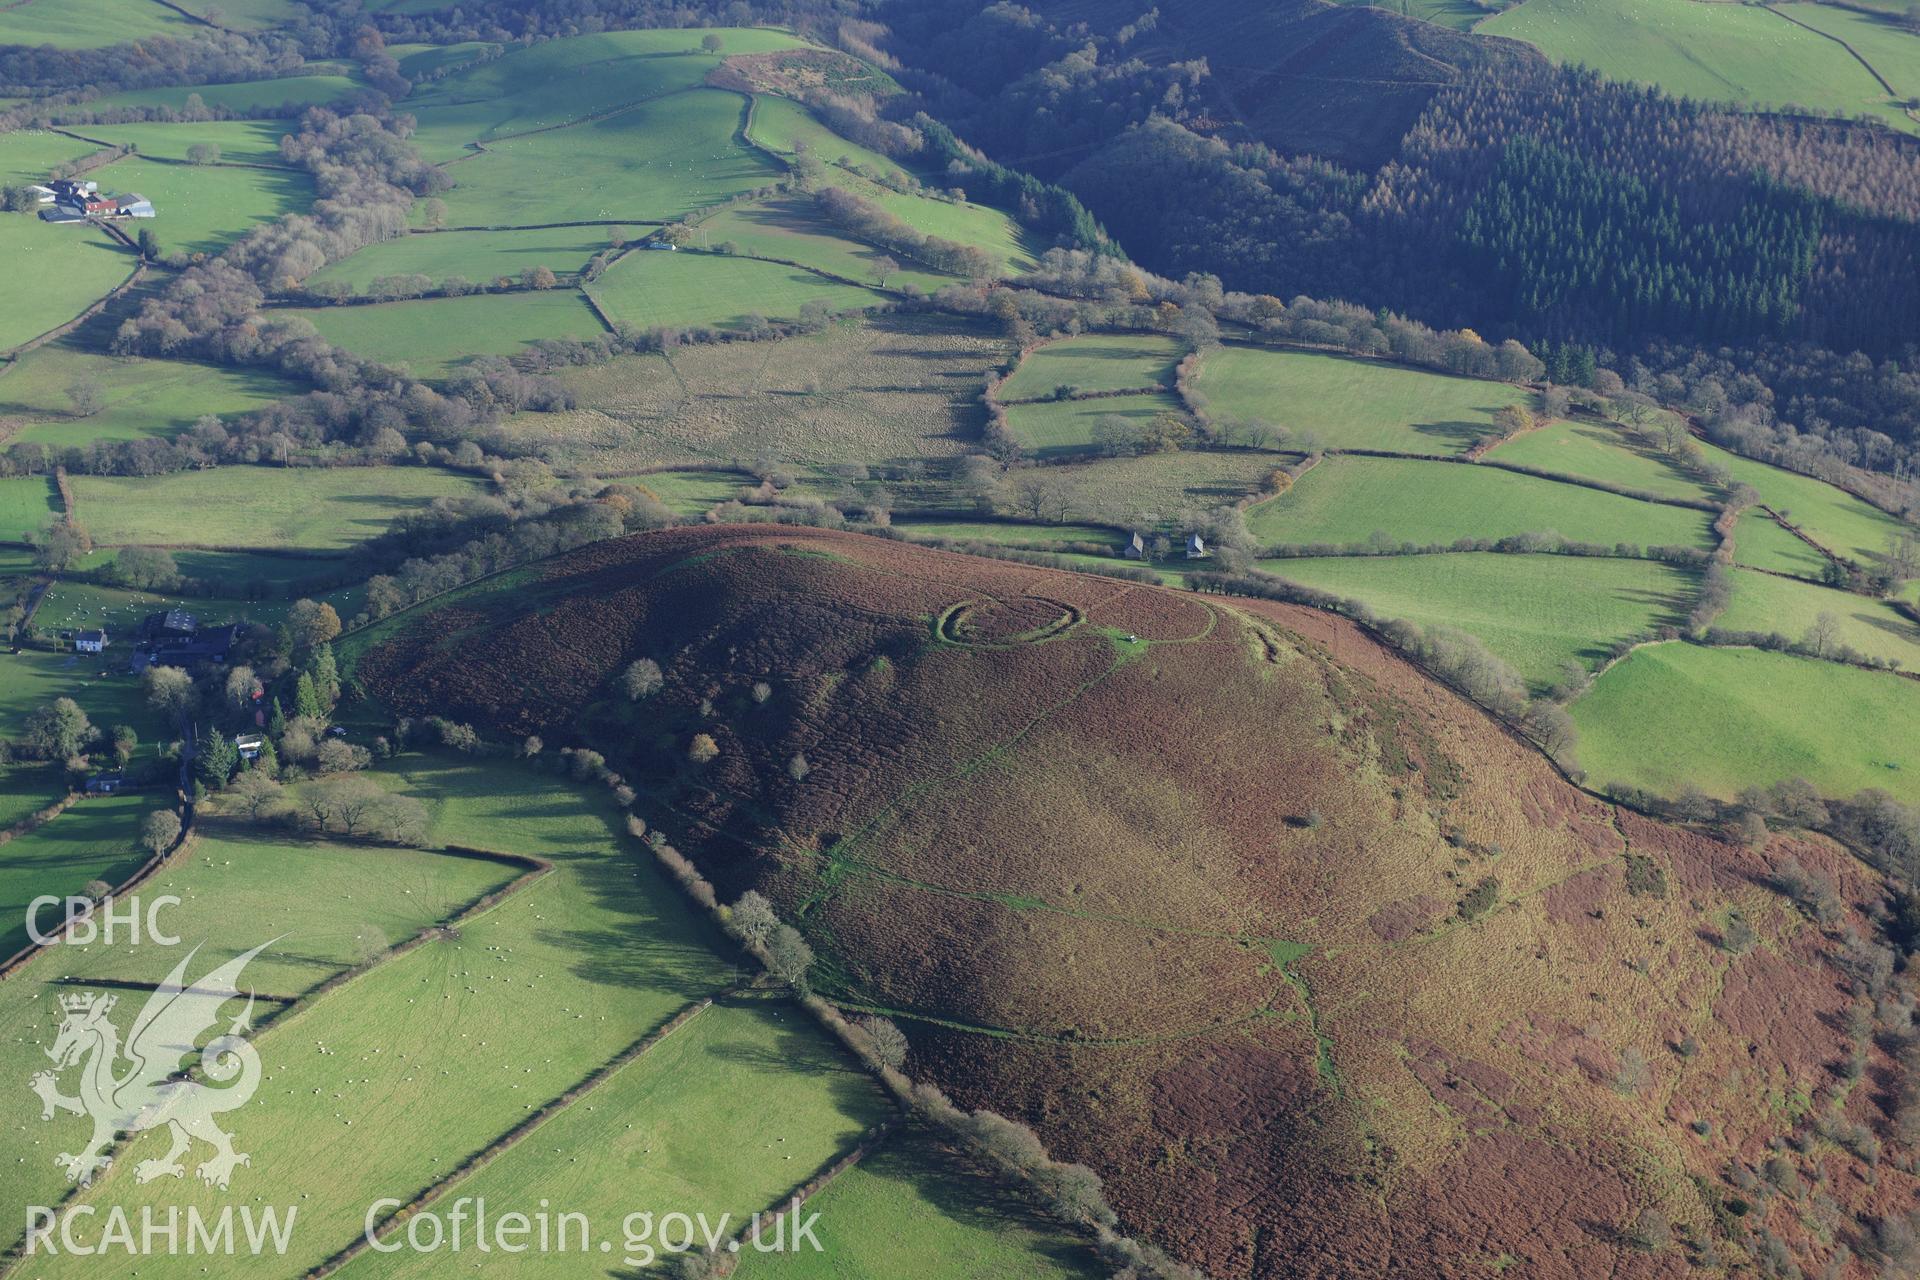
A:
x: 70, y: 200
x: 104, y: 784
x: 1136, y: 548
x: 248, y: 745
x: 90, y: 641
x: 1196, y: 547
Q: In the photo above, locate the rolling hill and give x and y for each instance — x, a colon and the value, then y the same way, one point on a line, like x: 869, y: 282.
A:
x: 1322, y: 971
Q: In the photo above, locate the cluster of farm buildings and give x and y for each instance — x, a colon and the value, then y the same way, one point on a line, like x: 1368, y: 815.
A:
x: 72, y: 200
x: 173, y: 638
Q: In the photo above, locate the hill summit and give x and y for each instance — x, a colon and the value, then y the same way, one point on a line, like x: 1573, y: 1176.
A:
x: 1324, y: 972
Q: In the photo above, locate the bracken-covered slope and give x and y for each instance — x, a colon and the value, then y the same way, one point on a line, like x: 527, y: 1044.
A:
x: 1325, y: 973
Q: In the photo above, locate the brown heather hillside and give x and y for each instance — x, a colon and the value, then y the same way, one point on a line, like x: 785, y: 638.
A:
x: 1326, y: 974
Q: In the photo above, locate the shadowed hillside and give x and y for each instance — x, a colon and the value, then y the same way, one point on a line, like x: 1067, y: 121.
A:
x: 1342, y: 81
x: 1322, y: 971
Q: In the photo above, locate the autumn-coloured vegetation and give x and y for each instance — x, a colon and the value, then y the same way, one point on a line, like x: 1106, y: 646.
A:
x: 1320, y: 969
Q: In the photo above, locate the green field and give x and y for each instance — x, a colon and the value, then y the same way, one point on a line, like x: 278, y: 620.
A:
x: 1723, y: 719
x: 560, y: 82
x: 56, y: 273
x: 1094, y: 362
x: 202, y: 208
x: 1760, y: 541
x: 235, y: 891
x: 32, y: 678
x: 316, y: 507
x: 783, y: 125
x: 681, y: 290
x: 1347, y: 499
x: 90, y: 24
x: 288, y: 95
x: 1051, y: 427
x: 655, y: 162
x: 142, y: 397
x: 1149, y: 492
x: 985, y: 228
x: 417, y: 60
x: 26, y: 788
x: 1536, y: 612
x: 1594, y: 451
x: 1832, y: 517
x: 32, y: 155
x: 246, y: 15
x: 727, y: 1116
x: 96, y: 839
x: 239, y: 568
x: 1347, y: 403
x: 76, y: 605
x: 27, y: 504
x: 455, y: 1043
x: 477, y: 256
x: 689, y: 493
x: 435, y: 336
x: 332, y: 906
x: 1038, y: 537
x: 787, y: 229
x: 1890, y: 49
x: 1461, y: 15
x: 1714, y: 52
x: 1762, y: 602
x: 915, y: 1208
x: 240, y: 141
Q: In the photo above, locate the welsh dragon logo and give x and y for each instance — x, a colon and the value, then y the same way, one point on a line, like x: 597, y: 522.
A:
x: 139, y: 1085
